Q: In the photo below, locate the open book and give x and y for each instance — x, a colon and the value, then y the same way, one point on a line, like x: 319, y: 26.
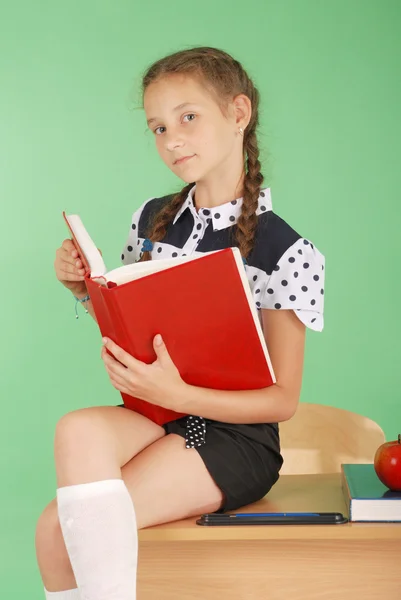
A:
x: 94, y: 263
x: 202, y: 305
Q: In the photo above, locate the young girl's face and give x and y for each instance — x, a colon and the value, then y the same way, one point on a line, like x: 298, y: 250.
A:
x: 186, y: 121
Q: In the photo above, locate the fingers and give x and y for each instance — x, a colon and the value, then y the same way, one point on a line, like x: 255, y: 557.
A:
x: 63, y: 275
x: 122, y: 356
x: 69, y: 253
x: 69, y: 246
x: 117, y: 373
x: 67, y: 271
x: 114, y: 366
x: 119, y: 387
x: 117, y: 379
x: 68, y: 265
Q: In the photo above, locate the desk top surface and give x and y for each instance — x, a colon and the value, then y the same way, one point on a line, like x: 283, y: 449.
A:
x: 291, y: 493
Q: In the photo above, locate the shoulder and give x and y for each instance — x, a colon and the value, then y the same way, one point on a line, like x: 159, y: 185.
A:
x: 280, y: 247
x: 293, y: 270
x: 273, y: 237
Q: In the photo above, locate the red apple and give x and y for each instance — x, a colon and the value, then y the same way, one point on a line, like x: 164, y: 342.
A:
x: 387, y: 463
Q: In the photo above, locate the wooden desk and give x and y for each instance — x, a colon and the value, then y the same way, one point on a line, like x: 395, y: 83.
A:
x: 358, y: 561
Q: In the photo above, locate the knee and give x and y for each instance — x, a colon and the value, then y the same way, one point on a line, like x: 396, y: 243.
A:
x: 74, y: 423
x: 78, y: 429
x: 49, y: 541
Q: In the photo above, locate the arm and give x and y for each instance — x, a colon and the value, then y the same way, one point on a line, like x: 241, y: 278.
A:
x: 285, y: 339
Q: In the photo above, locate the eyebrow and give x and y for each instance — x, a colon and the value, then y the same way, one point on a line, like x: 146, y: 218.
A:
x: 179, y: 107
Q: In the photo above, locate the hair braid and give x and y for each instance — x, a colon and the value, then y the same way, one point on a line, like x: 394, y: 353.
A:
x: 157, y: 226
x: 247, y: 221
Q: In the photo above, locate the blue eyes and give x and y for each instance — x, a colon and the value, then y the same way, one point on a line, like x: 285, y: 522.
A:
x: 189, y: 115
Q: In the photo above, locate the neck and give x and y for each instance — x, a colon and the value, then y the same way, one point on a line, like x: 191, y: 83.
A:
x: 219, y: 187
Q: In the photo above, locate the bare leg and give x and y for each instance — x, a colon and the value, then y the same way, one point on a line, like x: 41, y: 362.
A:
x: 90, y: 445
x: 165, y: 480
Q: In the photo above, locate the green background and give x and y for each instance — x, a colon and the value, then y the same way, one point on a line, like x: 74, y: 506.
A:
x: 71, y: 139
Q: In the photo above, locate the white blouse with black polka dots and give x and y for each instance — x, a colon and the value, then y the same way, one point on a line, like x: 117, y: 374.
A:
x: 285, y: 271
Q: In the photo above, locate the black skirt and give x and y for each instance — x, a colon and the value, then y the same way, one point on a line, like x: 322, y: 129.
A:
x: 243, y: 460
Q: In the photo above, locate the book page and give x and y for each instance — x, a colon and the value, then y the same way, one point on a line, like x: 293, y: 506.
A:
x: 87, y: 245
x: 254, y: 312
x: 141, y: 269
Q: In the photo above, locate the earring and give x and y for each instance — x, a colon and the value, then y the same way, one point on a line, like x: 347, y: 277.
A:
x: 241, y: 131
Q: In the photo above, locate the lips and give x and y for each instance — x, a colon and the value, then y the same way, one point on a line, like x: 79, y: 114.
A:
x: 180, y: 161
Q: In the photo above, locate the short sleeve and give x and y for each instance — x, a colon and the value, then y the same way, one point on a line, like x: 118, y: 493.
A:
x: 133, y: 244
x: 297, y: 282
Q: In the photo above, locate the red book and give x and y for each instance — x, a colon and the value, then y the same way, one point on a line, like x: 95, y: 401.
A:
x: 201, y: 305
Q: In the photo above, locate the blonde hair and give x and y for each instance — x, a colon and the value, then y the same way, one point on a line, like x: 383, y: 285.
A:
x: 225, y: 78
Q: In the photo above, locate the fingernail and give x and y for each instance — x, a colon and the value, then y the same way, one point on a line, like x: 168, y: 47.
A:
x: 104, y: 340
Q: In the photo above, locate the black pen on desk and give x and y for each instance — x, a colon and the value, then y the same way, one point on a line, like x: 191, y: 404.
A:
x: 288, y: 514
x: 283, y: 518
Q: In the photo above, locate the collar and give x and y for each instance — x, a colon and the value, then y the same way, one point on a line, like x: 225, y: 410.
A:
x: 225, y: 214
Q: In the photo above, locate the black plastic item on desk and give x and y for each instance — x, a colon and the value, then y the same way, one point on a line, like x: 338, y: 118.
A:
x: 300, y: 518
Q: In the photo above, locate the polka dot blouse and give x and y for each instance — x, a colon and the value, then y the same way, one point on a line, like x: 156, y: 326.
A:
x: 285, y: 270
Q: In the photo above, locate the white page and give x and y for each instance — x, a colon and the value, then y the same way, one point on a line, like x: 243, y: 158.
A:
x: 92, y: 254
x: 140, y: 269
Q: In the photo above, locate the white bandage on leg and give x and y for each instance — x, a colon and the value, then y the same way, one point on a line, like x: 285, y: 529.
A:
x: 99, y: 528
x: 66, y: 595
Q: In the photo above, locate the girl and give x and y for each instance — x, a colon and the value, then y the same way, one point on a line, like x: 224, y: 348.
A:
x: 116, y: 470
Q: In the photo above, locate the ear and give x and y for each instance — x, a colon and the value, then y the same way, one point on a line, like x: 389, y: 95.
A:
x: 243, y: 110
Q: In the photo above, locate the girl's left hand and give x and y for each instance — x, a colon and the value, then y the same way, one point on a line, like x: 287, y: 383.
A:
x: 159, y: 383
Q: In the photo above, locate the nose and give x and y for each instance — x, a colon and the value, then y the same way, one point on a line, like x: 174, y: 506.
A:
x: 173, y: 140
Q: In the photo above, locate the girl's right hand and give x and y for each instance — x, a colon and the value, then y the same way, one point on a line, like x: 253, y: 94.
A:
x: 69, y: 268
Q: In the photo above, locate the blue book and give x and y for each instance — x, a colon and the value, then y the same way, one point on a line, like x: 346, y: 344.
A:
x: 366, y: 497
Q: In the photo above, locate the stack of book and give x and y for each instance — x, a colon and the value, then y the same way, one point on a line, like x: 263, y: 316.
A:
x: 367, y: 498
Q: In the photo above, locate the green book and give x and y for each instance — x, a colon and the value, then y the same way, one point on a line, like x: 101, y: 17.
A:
x: 367, y: 498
